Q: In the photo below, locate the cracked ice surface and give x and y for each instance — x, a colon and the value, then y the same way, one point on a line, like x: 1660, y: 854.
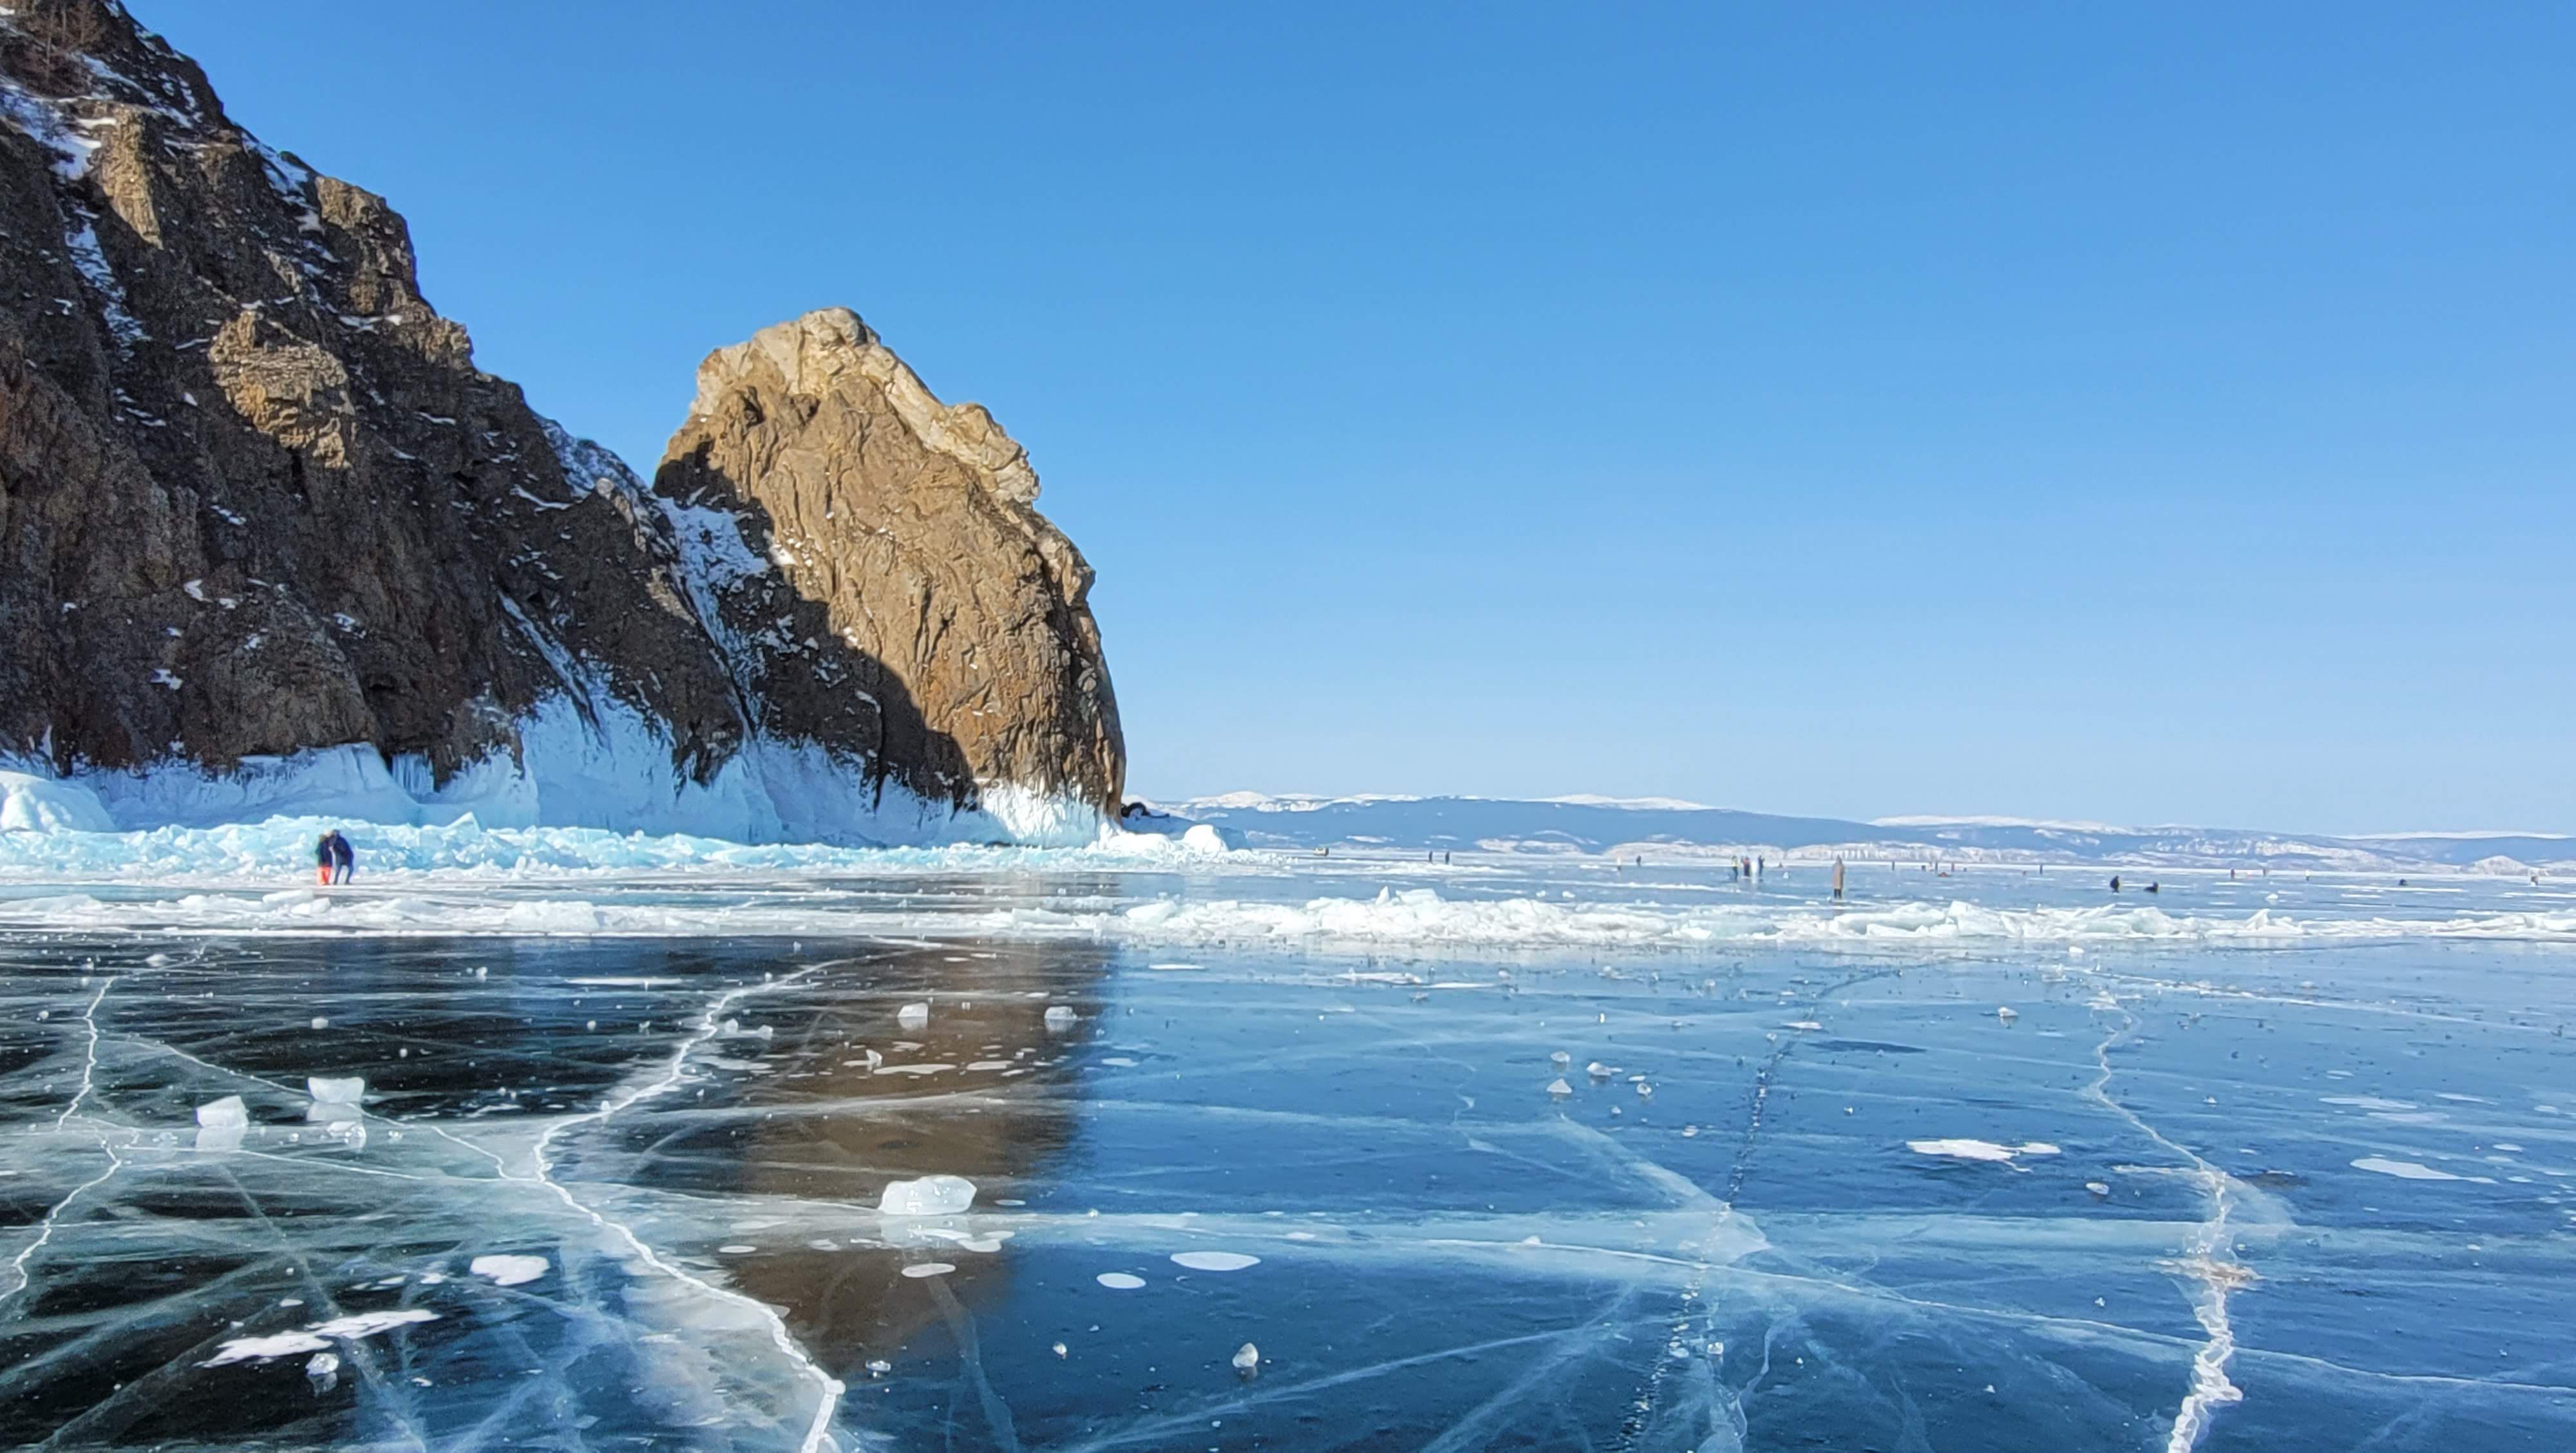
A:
x: 626, y: 1192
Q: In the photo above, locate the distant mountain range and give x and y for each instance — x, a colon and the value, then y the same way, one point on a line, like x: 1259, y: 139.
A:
x: 1600, y: 825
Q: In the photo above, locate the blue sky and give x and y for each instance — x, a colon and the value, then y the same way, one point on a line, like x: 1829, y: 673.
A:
x: 2164, y: 413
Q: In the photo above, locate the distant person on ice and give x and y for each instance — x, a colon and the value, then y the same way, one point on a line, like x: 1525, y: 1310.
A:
x: 344, y: 858
x: 1838, y: 880
x: 322, y: 860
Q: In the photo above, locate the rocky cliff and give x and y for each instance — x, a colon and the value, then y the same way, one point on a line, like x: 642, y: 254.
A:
x: 273, y: 538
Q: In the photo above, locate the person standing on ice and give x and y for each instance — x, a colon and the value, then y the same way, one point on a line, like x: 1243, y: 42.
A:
x: 344, y: 858
x: 1838, y: 880
x: 322, y: 860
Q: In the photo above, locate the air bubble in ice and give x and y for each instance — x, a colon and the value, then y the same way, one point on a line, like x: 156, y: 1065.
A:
x: 938, y: 1195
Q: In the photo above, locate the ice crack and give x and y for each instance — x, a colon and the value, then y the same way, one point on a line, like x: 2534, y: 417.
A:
x: 818, y: 1434
x: 71, y: 1111
x: 2208, y: 1261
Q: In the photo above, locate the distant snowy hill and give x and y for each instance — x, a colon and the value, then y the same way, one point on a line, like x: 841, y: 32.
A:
x: 1597, y: 825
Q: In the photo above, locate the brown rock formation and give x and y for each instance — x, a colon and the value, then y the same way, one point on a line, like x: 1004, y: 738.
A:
x: 256, y: 498
x: 909, y: 530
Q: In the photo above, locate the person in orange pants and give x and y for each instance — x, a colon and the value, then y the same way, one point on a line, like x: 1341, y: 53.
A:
x: 322, y: 859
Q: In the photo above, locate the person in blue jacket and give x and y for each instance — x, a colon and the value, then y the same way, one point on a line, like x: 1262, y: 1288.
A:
x: 344, y: 858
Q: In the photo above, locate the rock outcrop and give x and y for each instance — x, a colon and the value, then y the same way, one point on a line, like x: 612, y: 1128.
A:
x: 906, y: 533
x: 257, y: 501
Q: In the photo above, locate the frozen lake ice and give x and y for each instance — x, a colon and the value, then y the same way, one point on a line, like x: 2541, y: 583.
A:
x: 2249, y: 1165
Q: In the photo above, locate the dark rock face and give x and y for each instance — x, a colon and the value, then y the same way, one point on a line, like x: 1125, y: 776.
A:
x: 256, y: 498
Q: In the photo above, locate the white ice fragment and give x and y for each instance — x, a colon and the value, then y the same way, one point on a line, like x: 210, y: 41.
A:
x: 317, y: 1337
x: 1559, y: 1088
x: 264, y: 1349
x: 329, y: 1091
x: 920, y: 1269
x: 1119, y: 1281
x: 195, y: 589
x: 1600, y: 1071
x: 2098, y: 1188
x: 1247, y: 1358
x: 913, y: 1016
x: 1060, y: 1017
x: 1560, y: 1059
x: 936, y: 1195
x: 508, y: 1271
x: 1979, y: 1149
x: 1214, y: 1260
x: 228, y: 1113
x: 2007, y: 1013
x: 324, y: 1370
x: 1059, y: 1349
x: 321, y: 1023
x: 2404, y: 1170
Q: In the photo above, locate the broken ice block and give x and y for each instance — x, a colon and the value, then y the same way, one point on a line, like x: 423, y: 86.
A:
x: 928, y: 1196
x: 912, y: 1016
x: 1059, y: 1017
x: 335, y: 1092
x: 1247, y: 1359
x: 228, y: 1113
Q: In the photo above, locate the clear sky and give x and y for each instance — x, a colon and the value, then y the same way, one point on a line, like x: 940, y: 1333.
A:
x: 2150, y: 413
